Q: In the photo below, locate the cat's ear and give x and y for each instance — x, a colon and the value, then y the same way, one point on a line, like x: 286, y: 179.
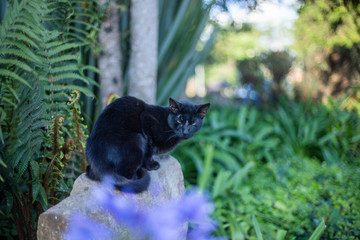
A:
x: 174, y: 107
x: 202, y: 110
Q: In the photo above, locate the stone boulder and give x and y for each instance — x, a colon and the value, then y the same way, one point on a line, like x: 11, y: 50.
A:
x: 166, y: 183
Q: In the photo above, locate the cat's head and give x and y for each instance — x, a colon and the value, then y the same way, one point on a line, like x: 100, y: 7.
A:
x: 185, y: 117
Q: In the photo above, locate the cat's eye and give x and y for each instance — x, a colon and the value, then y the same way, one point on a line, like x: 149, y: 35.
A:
x: 194, y: 123
x: 179, y: 121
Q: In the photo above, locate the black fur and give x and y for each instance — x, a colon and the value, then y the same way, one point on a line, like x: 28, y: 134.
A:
x: 129, y: 132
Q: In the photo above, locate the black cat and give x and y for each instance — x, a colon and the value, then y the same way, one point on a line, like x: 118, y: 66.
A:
x: 129, y: 132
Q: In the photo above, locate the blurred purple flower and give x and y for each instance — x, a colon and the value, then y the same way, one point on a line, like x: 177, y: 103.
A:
x: 124, y: 210
x: 83, y: 228
x: 196, y: 208
x: 159, y: 222
x: 163, y: 222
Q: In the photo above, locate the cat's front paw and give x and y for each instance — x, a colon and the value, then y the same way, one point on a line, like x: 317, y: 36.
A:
x: 152, y: 165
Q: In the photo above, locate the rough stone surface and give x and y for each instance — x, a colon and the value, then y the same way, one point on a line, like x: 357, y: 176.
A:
x: 166, y: 183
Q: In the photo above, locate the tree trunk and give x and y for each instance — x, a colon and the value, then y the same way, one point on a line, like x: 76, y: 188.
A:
x: 144, y: 49
x: 110, y: 58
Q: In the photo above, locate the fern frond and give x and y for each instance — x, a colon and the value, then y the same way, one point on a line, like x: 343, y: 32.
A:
x: 72, y: 76
x: 9, y: 101
x: 39, y: 66
x: 51, y: 39
x: 21, y: 37
x: 20, y: 53
x: 62, y: 48
x: 36, y: 184
x: 36, y: 140
x: 29, y: 53
x: 86, y: 24
x: 23, y: 164
x: 69, y: 88
x: 65, y: 68
x: 19, y: 155
x: 7, y: 73
x: 30, y: 32
x: 17, y: 63
x: 64, y: 58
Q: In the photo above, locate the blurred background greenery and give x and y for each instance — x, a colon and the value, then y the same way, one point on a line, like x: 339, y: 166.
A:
x: 279, y: 150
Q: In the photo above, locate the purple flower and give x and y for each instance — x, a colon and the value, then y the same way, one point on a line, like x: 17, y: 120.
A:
x: 196, y: 208
x: 122, y: 209
x: 160, y: 222
x: 163, y: 222
x: 83, y: 228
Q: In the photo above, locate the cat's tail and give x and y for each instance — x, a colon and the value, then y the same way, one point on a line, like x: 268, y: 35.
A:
x: 130, y: 185
x: 124, y: 184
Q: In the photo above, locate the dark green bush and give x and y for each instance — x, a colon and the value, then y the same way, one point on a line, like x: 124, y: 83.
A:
x: 291, y: 167
x: 42, y: 136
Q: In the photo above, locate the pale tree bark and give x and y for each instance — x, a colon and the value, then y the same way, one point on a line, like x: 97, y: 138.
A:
x: 144, y: 49
x: 110, y: 59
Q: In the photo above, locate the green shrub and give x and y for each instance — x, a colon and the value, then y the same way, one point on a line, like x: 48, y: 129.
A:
x: 291, y: 167
x: 41, y: 131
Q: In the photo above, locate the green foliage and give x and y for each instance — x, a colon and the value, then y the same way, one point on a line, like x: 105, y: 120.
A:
x: 77, y: 128
x: 40, y: 49
x: 324, y: 24
x: 279, y: 63
x: 327, y: 36
x: 250, y: 71
x: 235, y: 43
x: 181, y: 25
x: 232, y: 45
x: 291, y: 168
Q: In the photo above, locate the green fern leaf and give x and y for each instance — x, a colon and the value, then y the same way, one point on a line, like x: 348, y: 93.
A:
x: 63, y: 47
x: 30, y: 55
x: 63, y: 58
x: 32, y: 112
x: 9, y: 101
x: 61, y: 96
x: 17, y: 63
x: 19, y: 155
x: 65, y: 68
x: 37, y: 7
x: 35, y: 189
x: 69, y: 88
x: 35, y: 169
x: 79, y: 38
x: 42, y: 198
x: 7, y: 73
x: 51, y: 39
x: 36, y: 141
x: 79, y: 30
x: 21, y: 37
x: 20, y: 53
x: 24, y: 162
x: 67, y: 76
x: 11, y: 91
x: 88, y: 25
x: 90, y: 68
x: 30, y: 32
x: 28, y: 19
